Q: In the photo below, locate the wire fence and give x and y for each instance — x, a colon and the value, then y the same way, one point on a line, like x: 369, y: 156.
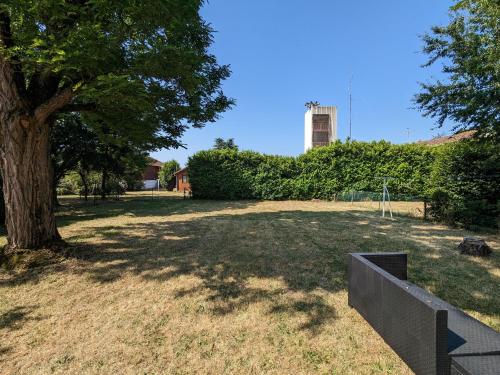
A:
x: 400, y: 204
x: 371, y: 196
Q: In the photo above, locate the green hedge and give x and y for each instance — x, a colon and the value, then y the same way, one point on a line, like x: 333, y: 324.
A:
x: 340, y: 167
x: 223, y: 174
x: 321, y: 173
x: 464, y: 186
x: 461, y: 181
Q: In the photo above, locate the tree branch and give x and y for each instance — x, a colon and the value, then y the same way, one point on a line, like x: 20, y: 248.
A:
x: 79, y: 107
x: 55, y: 103
x: 42, y: 86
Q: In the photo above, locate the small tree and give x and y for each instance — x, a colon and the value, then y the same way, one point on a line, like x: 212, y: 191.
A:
x: 311, y: 104
x: 221, y: 144
x: 166, y: 176
x: 73, y: 143
x: 113, y: 159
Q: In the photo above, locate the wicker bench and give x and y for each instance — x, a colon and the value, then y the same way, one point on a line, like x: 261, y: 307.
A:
x: 430, y: 335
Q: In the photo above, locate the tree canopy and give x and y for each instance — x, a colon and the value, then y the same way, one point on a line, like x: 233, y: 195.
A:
x: 222, y: 144
x: 311, y: 104
x: 166, y: 175
x: 137, y: 65
x: 72, y: 142
x: 139, y: 73
x: 469, y: 51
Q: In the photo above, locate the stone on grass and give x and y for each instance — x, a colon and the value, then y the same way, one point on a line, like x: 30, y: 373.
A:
x: 474, y: 246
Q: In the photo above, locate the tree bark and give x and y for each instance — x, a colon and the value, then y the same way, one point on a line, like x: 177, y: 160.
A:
x: 103, y: 183
x: 24, y: 147
x: 83, y: 177
x: 27, y: 181
x: 54, y: 194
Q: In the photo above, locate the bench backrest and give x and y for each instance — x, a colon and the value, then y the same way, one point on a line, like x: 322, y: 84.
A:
x: 403, y: 314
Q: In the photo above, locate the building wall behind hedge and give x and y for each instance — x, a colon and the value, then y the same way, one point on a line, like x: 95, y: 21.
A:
x: 320, y: 173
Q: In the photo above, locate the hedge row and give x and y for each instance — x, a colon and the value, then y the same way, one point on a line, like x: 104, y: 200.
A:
x: 321, y: 173
x: 464, y: 186
x: 461, y: 181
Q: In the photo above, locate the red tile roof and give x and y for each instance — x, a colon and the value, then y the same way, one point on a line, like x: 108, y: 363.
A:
x: 154, y: 162
x: 448, y: 138
x: 180, y: 170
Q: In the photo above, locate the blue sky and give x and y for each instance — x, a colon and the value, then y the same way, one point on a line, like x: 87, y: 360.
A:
x: 284, y: 53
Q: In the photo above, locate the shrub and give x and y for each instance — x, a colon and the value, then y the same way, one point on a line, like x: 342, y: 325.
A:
x: 320, y: 173
x: 465, y: 184
x: 460, y: 180
x: 274, y: 178
x: 329, y: 171
x: 70, y: 184
x: 223, y: 174
x: 166, y: 175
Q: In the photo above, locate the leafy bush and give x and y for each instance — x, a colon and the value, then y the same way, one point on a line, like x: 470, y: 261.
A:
x: 320, y: 173
x: 166, y: 175
x: 133, y: 183
x: 465, y: 184
x: 274, y: 178
x: 460, y: 180
x: 224, y: 174
x: 70, y: 184
x: 329, y: 171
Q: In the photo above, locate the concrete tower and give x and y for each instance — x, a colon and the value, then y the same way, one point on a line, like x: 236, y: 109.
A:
x: 320, y: 126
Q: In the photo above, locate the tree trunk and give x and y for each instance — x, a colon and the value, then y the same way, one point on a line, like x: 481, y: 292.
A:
x: 83, y: 177
x: 103, y: 184
x: 55, y: 183
x: 27, y: 182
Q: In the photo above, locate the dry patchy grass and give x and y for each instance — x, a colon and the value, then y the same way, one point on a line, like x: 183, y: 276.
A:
x: 172, y: 286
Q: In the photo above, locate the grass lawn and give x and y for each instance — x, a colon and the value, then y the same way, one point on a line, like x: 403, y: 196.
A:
x: 173, y: 286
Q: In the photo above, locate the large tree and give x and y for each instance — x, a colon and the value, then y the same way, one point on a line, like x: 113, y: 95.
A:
x: 142, y: 67
x: 469, y: 51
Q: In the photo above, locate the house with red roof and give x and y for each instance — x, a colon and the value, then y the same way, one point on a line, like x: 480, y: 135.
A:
x: 151, y: 174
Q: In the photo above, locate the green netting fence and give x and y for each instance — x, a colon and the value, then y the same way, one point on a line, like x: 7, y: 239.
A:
x: 372, y: 196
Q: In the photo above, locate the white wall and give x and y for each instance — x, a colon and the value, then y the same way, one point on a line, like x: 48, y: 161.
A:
x: 320, y: 110
x: 150, y: 184
x: 307, y: 130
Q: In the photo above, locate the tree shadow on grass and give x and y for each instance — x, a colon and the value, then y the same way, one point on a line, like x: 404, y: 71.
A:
x: 224, y: 252
x: 12, y: 319
x: 306, y: 250
x: 5, y: 350
x: 296, y: 251
x: 78, y: 211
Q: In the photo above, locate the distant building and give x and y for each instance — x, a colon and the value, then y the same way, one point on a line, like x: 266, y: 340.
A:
x: 182, y: 180
x: 151, y: 173
x: 436, y: 141
x: 320, y: 126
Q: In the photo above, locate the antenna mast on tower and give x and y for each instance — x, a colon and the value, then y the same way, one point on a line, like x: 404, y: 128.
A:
x: 350, y: 108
